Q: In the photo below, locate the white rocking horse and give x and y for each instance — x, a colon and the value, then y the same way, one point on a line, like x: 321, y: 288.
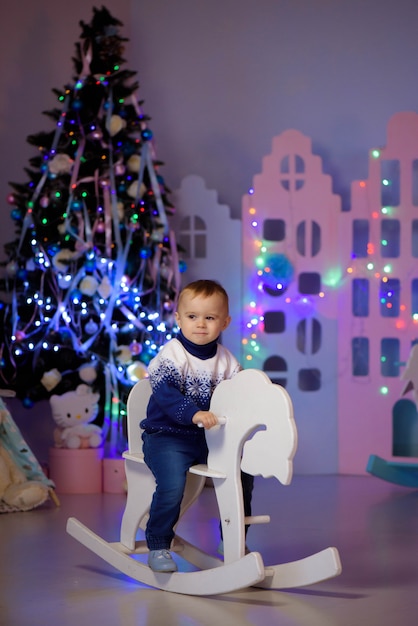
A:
x: 259, y: 436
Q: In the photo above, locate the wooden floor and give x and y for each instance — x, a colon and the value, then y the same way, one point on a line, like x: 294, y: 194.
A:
x: 49, y: 578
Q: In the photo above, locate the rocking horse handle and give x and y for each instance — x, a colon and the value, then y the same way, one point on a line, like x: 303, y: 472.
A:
x: 221, y: 422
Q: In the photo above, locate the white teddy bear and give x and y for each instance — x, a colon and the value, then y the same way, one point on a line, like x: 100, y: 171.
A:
x: 72, y: 412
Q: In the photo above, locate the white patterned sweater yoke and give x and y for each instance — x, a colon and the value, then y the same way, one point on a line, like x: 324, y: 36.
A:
x: 182, y: 384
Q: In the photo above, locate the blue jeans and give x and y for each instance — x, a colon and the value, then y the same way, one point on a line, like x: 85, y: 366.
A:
x: 169, y: 458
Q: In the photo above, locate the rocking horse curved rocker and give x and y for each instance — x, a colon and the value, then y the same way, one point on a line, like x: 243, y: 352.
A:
x: 258, y: 436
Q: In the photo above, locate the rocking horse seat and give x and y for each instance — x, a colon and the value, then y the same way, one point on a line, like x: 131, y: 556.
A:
x: 260, y: 438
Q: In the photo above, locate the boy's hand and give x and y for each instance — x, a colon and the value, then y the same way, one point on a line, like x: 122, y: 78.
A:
x: 206, y: 419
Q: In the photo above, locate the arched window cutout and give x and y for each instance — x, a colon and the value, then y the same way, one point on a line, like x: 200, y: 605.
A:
x: 273, y: 367
x: 390, y: 297
x: 308, y: 238
x: 360, y: 297
x: 404, y: 429
x: 415, y: 183
x: 360, y: 356
x: 193, y: 237
x: 414, y: 235
x: 292, y: 172
x: 414, y: 296
x: 361, y: 238
x: 389, y: 356
x: 274, y: 292
x: 390, y: 175
x: 390, y: 239
x: 308, y: 336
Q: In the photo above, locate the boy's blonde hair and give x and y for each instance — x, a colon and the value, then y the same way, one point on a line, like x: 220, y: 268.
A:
x: 205, y: 288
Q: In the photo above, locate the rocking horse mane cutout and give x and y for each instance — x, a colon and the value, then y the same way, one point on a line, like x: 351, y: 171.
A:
x: 254, y: 404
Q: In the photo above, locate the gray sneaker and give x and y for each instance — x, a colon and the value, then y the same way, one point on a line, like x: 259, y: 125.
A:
x: 161, y: 561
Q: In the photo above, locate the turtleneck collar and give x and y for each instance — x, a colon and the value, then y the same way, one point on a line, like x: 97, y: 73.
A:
x: 201, y: 352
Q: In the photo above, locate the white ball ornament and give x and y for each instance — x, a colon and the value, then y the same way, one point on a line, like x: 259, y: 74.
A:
x: 91, y: 327
x: 123, y: 355
x: 116, y: 125
x: 88, y: 285
x: 134, y: 163
x: 105, y: 288
x: 61, y: 260
x: 60, y: 164
x: 137, y: 371
x: 87, y: 373
x: 121, y: 210
x: 132, y: 190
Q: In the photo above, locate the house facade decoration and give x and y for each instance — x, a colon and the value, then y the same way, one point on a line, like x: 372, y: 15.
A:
x: 378, y: 303
x: 324, y: 301
x: 290, y: 217
x: 211, y: 244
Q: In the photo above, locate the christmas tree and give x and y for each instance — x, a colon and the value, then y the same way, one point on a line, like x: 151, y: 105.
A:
x: 92, y: 276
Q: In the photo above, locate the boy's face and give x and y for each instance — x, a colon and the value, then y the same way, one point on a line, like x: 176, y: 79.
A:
x: 202, y: 319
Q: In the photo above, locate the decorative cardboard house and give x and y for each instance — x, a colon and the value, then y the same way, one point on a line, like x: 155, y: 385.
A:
x: 324, y: 301
x: 378, y: 303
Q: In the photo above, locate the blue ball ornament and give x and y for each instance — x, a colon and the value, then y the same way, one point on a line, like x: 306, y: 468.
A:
x: 27, y: 403
x: 64, y: 334
x: 76, y: 295
x: 146, y: 356
x: 90, y: 265
x: 21, y: 274
x: 145, y: 253
x: 53, y: 249
x: 182, y: 267
x: 278, y: 272
x: 16, y: 214
x: 146, y: 134
x: 76, y: 205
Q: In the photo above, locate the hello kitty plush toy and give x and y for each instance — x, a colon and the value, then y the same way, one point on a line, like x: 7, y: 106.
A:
x: 72, y: 412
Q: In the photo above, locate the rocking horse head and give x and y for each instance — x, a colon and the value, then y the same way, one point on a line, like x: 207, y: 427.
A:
x: 253, y: 405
